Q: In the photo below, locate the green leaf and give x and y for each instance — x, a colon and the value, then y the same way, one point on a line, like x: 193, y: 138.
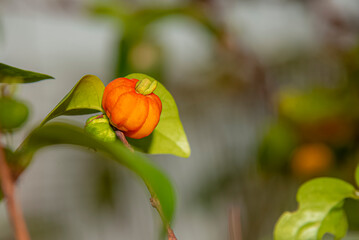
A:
x: 9, y: 74
x: 320, y: 208
x: 84, y: 98
x: 157, y: 183
x: 335, y: 223
x: 169, y: 136
x: 357, y: 175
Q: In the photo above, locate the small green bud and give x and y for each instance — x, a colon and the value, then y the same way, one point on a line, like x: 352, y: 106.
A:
x: 100, y: 128
x: 13, y: 114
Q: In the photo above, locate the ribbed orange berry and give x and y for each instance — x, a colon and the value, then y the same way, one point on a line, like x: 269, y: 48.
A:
x: 132, y: 107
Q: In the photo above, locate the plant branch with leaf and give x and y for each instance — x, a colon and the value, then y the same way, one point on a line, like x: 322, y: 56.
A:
x: 168, y: 137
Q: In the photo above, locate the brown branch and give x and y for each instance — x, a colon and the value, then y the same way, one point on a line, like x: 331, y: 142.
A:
x: 14, y: 210
x: 123, y: 139
x: 157, y: 205
x: 170, y: 234
x: 234, y: 222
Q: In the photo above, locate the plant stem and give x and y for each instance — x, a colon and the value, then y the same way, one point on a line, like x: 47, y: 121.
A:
x: 156, y: 204
x: 235, y: 226
x: 171, y: 235
x: 14, y: 210
x: 123, y: 139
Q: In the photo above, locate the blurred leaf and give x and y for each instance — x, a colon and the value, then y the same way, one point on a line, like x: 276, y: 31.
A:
x: 148, y: 15
x: 357, y: 175
x: 320, y: 211
x: 134, y: 26
x: 157, y: 183
x: 276, y: 147
x: 145, y: 16
x: 110, y: 9
x: 351, y: 208
x: 9, y: 74
x: 13, y: 114
x: 316, y: 105
x: 335, y: 223
x: 84, y: 98
x: 125, y: 44
x: 169, y: 136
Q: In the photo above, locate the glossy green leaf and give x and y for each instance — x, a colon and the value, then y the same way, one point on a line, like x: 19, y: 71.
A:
x: 157, y: 183
x: 320, y: 208
x: 9, y: 74
x: 169, y: 136
x: 84, y: 98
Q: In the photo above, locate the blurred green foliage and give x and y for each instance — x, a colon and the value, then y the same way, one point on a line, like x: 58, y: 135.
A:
x: 277, y: 144
x: 315, y: 114
x: 137, y: 51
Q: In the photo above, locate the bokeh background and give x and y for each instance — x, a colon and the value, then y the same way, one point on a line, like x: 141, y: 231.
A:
x: 268, y: 93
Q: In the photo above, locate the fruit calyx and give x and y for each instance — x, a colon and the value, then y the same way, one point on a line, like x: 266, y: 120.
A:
x: 145, y: 86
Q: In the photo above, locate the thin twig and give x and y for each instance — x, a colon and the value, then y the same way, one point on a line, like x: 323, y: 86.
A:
x: 235, y: 226
x: 157, y: 205
x: 171, y: 235
x: 14, y: 210
x: 123, y: 139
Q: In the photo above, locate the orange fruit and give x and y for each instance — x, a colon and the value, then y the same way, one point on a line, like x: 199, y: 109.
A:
x: 132, y: 107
